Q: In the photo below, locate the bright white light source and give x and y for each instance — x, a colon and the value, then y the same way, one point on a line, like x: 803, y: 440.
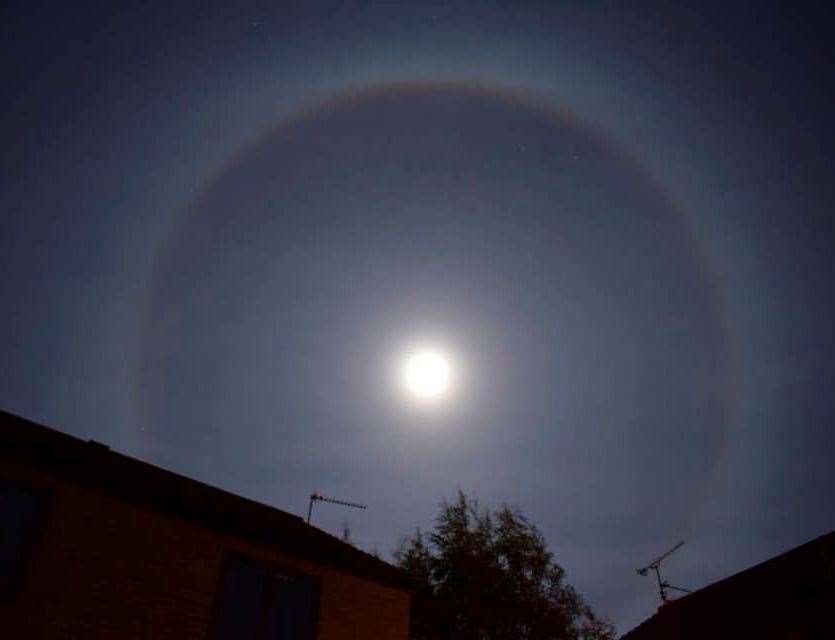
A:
x: 427, y: 374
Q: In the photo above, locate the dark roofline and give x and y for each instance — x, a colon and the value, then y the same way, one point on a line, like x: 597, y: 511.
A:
x: 93, y: 464
x: 789, y: 575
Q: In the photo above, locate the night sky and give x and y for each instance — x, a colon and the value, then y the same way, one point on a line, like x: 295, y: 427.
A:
x: 224, y: 226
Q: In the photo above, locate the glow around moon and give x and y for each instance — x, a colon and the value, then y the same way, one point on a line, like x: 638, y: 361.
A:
x: 427, y: 374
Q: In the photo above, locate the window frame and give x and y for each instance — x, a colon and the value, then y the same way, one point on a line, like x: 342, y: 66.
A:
x: 233, y: 557
x: 33, y: 537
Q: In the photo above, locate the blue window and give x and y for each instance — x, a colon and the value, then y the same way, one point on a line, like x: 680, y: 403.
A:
x: 258, y: 602
x: 19, y: 513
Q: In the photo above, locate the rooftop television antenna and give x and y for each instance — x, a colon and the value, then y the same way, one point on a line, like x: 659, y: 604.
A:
x: 316, y: 497
x: 663, y: 585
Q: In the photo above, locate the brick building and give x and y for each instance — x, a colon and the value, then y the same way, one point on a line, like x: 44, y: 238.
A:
x: 789, y: 597
x: 96, y: 544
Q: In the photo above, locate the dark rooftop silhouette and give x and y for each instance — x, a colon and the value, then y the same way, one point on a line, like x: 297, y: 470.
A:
x: 792, y: 589
x: 95, y: 465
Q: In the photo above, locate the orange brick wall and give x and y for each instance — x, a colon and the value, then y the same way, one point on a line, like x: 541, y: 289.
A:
x: 102, y: 568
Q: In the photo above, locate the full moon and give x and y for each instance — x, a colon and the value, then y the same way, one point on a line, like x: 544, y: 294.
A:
x: 427, y: 374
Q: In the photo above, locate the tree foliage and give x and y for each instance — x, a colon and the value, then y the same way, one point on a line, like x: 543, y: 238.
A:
x: 482, y: 575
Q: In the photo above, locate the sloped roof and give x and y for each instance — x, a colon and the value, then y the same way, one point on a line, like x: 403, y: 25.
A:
x: 93, y: 464
x: 785, y: 589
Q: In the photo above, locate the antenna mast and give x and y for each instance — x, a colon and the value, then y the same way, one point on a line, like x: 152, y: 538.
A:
x: 315, y: 497
x: 663, y: 585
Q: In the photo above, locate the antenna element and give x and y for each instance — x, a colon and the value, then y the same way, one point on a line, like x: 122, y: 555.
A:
x: 663, y: 585
x: 315, y: 497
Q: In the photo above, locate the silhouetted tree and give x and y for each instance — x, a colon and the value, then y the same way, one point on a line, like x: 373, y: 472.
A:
x: 489, y: 576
